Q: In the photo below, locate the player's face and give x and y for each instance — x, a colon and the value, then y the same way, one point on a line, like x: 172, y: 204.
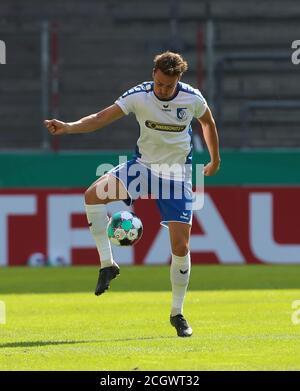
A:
x: 164, y: 85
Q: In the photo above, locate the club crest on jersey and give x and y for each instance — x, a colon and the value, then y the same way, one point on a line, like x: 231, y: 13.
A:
x: 181, y: 113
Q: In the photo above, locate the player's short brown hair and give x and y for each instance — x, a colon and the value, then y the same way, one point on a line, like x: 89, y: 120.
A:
x: 171, y: 64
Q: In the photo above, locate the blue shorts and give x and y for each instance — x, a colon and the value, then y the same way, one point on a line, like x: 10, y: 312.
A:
x: 173, y: 198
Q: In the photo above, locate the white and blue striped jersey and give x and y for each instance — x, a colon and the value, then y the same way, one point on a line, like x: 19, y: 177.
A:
x: 165, y: 125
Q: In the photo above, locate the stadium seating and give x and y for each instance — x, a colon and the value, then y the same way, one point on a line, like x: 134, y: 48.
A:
x: 107, y: 47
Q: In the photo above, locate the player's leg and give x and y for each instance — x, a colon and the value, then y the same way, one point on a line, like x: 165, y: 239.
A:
x: 106, y: 189
x: 176, y: 214
x: 179, y: 274
x: 181, y: 264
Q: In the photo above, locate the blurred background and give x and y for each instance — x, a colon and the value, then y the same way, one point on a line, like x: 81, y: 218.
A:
x: 69, y: 59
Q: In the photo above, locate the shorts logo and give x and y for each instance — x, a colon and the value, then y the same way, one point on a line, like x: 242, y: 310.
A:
x: 184, y: 217
x: 164, y: 127
x: 181, y: 113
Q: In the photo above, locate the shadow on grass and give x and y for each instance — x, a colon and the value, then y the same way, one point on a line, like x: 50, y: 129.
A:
x: 30, y: 344
x: 17, y: 280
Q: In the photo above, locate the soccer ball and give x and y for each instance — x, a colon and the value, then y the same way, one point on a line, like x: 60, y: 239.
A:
x: 124, y: 229
x: 57, y: 261
x: 36, y: 260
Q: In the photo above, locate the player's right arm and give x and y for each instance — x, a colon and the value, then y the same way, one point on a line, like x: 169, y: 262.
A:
x: 86, y: 124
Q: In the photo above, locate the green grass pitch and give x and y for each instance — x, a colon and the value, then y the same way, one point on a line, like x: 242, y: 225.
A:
x: 241, y: 317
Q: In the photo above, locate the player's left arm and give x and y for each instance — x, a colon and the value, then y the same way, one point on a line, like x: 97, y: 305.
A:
x: 211, y: 138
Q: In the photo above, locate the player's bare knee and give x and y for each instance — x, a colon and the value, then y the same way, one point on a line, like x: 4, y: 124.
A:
x: 116, y: 189
x: 94, y: 195
x: 87, y: 196
x: 180, y: 249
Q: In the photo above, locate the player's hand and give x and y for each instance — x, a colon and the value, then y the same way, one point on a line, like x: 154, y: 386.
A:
x: 211, y: 168
x: 56, y: 127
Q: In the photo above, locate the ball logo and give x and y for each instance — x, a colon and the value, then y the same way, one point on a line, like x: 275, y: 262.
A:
x: 2, y: 52
x: 181, y: 113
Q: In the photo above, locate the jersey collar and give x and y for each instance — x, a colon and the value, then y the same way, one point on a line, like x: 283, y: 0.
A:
x: 173, y: 97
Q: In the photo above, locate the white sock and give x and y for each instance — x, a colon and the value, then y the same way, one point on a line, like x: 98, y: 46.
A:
x: 180, y: 275
x: 97, y: 219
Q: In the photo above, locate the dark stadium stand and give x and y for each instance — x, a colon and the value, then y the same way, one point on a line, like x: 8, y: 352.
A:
x: 102, y: 55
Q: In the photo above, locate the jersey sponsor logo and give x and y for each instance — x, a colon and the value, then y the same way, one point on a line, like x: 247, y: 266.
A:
x: 164, y: 127
x: 181, y: 113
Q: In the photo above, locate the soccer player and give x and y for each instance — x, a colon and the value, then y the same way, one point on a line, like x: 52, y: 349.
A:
x: 164, y: 109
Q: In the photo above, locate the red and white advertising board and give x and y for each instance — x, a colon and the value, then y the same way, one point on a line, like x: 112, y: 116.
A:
x: 237, y: 225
